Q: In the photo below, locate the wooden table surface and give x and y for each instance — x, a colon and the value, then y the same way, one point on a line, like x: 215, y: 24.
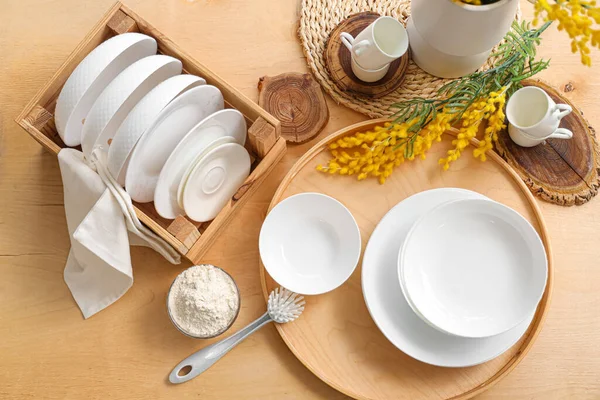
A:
x: 48, y: 351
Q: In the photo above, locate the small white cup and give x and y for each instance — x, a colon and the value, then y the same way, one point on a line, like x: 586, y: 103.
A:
x: 533, y: 112
x: 367, y: 75
x: 380, y: 43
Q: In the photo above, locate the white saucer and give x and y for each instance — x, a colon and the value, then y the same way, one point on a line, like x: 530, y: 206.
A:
x: 91, y: 76
x: 486, y: 290
x: 214, y: 180
x: 173, y: 123
x: 310, y: 243
x: 178, y: 196
x: 389, y: 308
x: 140, y: 119
x: 225, y: 126
x: 120, y: 96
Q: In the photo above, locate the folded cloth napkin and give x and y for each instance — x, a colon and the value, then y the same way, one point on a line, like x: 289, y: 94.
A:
x: 99, y: 215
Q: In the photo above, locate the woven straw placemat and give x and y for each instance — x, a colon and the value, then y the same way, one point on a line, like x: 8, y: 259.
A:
x: 319, y: 17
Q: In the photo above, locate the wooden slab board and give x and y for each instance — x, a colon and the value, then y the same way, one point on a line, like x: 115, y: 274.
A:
x: 336, y: 338
x: 564, y: 172
x: 339, y: 61
x: 297, y: 101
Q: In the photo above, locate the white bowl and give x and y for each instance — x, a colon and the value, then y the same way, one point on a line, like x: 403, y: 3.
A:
x: 473, y: 268
x: 310, y: 243
x: 141, y: 118
x: 120, y: 96
x: 91, y: 76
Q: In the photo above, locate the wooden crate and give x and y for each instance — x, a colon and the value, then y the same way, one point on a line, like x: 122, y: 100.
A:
x: 264, y: 143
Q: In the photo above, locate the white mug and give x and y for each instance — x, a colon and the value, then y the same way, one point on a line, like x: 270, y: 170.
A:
x: 523, y: 139
x: 535, y: 114
x: 380, y: 43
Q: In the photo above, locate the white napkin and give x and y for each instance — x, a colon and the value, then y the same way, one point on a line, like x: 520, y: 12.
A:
x: 98, y: 269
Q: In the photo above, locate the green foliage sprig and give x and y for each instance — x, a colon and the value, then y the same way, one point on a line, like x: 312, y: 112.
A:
x: 514, y: 62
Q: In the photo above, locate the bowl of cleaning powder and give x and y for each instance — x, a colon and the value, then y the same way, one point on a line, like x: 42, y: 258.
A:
x: 203, y: 301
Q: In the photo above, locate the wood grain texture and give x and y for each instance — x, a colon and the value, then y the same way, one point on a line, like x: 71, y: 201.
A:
x: 338, y: 61
x: 47, y: 350
x: 297, y: 101
x: 564, y: 172
x: 317, y: 338
x: 261, y: 137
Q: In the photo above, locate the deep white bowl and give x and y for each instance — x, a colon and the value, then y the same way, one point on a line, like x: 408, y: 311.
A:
x: 310, y: 243
x: 473, y: 268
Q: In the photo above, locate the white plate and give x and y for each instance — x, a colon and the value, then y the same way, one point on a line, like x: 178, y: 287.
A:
x: 214, y: 180
x: 91, y: 76
x: 120, y: 96
x: 173, y: 123
x: 388, y: 307
x: 225, y: 126
x: 141, y: 117
x: 487, y: 272
x: 310, y: 243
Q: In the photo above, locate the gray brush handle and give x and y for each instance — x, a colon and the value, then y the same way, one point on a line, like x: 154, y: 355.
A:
x: 204, y: 358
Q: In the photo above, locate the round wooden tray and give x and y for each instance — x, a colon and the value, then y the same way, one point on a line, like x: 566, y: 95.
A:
x: 336, y: 338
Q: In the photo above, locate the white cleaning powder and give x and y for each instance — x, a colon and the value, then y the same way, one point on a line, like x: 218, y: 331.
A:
x: 203, y: 300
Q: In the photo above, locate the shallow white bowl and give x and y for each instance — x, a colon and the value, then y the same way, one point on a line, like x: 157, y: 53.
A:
x: 473, y: 268
x: 310, y: 243
x: 91, y: 76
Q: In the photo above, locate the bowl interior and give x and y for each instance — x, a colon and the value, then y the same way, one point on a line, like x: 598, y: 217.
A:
x: 310, y: 243
x: 474, y: 268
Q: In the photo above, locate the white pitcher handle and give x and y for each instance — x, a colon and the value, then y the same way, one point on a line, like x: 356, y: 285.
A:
x: 564, y: 109
x: 347, y: 39
x: 360, y: 47
x: 561, y: 133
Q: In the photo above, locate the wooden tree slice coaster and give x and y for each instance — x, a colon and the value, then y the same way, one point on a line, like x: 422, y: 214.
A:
x: 339, y: 61
x: 297, y: 101
x: 564, y: 172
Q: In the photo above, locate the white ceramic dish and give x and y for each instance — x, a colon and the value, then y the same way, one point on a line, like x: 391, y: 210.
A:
x: 310, y: 243
x: 120, y: 96
x: 389, y: 308
x: 140, y: 119
x: 214, y: 180
x: 438, y: 63
x: 91, y: 76
x: 180, y: 188
x: 225, y: 126
x: 155, y: 146
x: 481, y: 290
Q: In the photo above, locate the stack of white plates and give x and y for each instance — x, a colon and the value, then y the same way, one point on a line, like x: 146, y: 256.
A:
x: 453, y: 278
x: 166, y: 136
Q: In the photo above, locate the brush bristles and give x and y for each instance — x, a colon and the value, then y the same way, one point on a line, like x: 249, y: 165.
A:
x: 285, y: 306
